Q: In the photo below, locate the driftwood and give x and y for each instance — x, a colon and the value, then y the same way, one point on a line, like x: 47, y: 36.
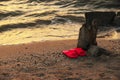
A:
x: 117, y: 19
x: 104, y: 18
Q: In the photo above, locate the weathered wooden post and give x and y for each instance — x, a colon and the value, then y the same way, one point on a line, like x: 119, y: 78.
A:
x: 88, y: 33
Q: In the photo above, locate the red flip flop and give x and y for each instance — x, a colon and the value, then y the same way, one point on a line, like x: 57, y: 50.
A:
x: 74, y: 53
x: 80, y: 51
x: 71, y: 53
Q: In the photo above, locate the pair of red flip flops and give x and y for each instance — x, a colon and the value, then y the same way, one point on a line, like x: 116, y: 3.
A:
x: 75, y: 53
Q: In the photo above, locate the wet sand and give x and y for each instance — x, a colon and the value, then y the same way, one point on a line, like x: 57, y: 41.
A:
x: 36, y: 47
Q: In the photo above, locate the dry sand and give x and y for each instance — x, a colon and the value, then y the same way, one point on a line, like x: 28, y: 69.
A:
x: 45, y: 61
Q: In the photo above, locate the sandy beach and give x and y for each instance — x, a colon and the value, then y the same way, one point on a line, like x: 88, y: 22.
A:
x: 45, y: 61
x: 33, y: 35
